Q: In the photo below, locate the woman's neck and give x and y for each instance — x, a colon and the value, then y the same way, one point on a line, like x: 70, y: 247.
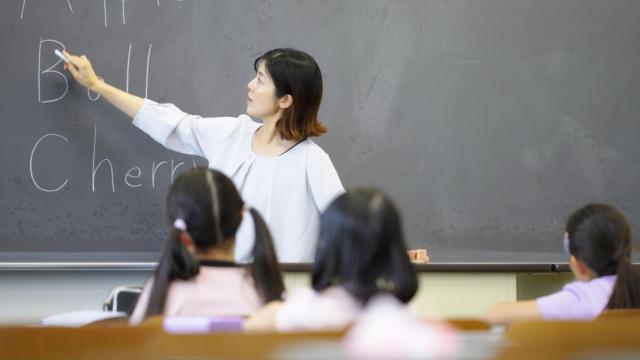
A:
x: 268, y: 134
x: 268, y: 141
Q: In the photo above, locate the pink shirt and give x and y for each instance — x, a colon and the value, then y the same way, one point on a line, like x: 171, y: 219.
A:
x: 331, y: 309
x: 215, y: 291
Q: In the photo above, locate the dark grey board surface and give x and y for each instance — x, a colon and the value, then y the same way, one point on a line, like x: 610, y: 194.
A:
x: 487, y: 121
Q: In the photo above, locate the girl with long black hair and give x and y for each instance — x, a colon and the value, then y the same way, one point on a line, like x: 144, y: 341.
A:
x: 598, y: 242
x: 196, y: 274
x: 361, y: 254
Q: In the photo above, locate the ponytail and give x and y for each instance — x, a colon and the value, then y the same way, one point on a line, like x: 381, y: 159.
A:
x: 176, y: 262
x: 265, y: 269
x: 206, y: 205
x: 600, y: 236
x: 626, y: 291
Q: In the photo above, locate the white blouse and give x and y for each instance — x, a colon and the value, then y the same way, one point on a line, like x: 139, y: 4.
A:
x: 290, y: 190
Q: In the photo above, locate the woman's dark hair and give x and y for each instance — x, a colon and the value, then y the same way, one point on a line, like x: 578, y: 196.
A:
x: 210, y: 206
x: 600, y: 236
x: 296, y: 73
x: 362, y: 248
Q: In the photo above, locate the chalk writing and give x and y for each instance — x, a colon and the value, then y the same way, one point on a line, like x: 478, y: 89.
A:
x: 50, y: 70
x: 33, y: 151
x: 104, y: 167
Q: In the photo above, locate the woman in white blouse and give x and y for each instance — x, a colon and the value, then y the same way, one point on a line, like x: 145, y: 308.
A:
x: 277, y: 168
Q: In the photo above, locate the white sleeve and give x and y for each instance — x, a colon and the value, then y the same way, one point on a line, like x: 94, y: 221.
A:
x: 182, y: 132
x: 137, y: 316
x: 308, y: 310
x: 322, y: 178
x: 295, y: 310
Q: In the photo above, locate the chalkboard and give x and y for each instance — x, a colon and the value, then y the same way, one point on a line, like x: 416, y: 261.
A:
x: 488, y: 121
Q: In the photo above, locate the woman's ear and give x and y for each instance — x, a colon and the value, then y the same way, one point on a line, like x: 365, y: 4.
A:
x: 285, y: 102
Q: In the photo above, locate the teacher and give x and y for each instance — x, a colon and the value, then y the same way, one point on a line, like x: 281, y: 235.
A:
x: 278, y: 169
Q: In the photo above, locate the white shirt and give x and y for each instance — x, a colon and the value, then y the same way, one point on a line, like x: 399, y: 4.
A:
x: 307, y: 310
x: 290, y: 190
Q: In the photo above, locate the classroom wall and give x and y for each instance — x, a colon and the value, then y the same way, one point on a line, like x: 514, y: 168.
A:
x: 28, y: 296
x: 531, y: 286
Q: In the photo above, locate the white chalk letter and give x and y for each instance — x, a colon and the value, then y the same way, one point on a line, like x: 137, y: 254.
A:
x: 154, y: 168
x: 174, y: 168
x: 48, y: 71
x: 95, y: 168
x: 33, y: 151
x: 128, y: 175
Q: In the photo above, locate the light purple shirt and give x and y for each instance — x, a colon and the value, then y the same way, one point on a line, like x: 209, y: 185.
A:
x: 579, y: 300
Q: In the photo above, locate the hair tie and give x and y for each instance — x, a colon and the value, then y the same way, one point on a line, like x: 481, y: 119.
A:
x: 246, y: 207
x: 180, y: 224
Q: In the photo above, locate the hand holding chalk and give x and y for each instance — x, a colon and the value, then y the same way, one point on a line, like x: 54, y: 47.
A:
x: 81, y: 69
x: 60, y: 55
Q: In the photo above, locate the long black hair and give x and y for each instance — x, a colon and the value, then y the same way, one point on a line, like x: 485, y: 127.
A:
x: 362, y: 248
x: 211, y: 208
x: 600, y: 236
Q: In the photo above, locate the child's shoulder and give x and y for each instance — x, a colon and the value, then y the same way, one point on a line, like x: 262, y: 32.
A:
x: 599, y: 284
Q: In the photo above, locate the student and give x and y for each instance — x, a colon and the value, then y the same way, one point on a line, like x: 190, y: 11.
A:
x: 196, y: 274
x: 274, y: 164
x: 361, y: 253
x: 598, y: 243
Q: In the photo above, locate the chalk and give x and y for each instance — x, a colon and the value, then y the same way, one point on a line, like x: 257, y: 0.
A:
x: 61, y: 55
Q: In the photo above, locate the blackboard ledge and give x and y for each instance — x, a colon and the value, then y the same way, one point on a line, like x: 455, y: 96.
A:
x: 296, y: 267
x: 79, y: 266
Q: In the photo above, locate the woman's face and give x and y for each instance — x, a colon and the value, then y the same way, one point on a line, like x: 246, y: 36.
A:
x: 261, y: 98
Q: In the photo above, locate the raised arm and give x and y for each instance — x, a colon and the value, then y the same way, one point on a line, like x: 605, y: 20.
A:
x: 165, y: 123
x: 81, y: 69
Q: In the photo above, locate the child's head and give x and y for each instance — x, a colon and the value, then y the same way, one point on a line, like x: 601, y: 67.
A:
x: 210, y: 207
x: 205, y: 211
x: 599, y: 237
x: 362, y: 248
